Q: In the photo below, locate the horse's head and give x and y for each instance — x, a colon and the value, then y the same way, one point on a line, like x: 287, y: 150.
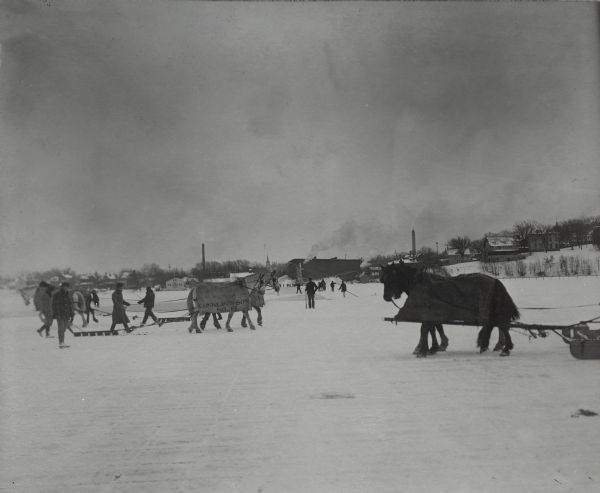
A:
x: 396, y: 279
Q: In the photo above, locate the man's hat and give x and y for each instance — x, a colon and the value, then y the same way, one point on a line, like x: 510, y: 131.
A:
x: 119, y: 284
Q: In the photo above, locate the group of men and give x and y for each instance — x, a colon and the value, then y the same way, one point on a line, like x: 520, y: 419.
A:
x: 311, y: 288
x: 60, y: 305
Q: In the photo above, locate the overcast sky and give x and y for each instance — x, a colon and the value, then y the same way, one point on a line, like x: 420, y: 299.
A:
x: 133, y: 132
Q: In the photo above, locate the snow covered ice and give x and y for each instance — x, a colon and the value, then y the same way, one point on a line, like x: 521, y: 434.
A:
x: 324, y: 400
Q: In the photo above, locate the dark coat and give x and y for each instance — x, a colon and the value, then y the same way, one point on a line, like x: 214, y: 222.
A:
x: 119, y: 315
x: 62, y: 305
x: 148, y: 300
x: 42, y: 300
x: 311, y: 287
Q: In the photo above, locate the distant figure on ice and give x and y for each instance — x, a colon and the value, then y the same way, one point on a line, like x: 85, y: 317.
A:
x: 91, y: 298
x: 343, y: 288
x: 119, y: 315
x: 310, y: 289
x: 148, y: 302
x: 332, y: 286
x: 62, y: 311
x: 322, y: 285
x: 298, y: 287
x: 42, y: 301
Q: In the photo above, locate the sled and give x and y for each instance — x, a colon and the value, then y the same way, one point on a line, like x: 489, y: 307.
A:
x: 585, y: 349
x: 97, y: 333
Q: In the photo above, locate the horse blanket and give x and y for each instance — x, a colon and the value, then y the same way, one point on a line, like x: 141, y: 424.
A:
x: 221, y: 297
x: 466, y: 298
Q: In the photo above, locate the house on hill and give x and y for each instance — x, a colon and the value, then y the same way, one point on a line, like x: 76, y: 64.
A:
x: 319, y: 268
x: 543, y: 241
x: 499, y: 248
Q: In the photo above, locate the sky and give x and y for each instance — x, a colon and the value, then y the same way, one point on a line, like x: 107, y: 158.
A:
x: 134, y: 132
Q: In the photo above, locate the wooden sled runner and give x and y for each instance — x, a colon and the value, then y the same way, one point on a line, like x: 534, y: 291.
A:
x: 97, y: 333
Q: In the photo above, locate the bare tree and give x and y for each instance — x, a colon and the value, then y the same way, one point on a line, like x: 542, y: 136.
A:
x: 460, y: 243
x: 523, y: 229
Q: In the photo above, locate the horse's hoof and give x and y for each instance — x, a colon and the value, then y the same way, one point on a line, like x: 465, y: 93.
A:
x: 421, y: 355
x: 417, y: 350
x: 244, y: 325
x: 252, y: 328
x: 483, y: 349
x: 498, y: 347
x: 505, y: 352
x: 229, y: 329
x: 198, y: 331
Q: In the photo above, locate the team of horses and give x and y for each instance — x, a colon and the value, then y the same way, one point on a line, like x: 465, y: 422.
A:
x: 248, y: 292
x: 401, y: 278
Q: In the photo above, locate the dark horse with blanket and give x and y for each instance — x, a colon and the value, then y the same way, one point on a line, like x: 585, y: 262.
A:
x: 473, y: 299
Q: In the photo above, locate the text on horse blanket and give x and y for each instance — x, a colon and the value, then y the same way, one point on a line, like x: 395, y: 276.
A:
x: 221, y: 298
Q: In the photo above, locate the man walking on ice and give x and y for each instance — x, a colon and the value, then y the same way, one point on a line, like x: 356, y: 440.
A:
x: 119, y: 315
x: 310, y: 289
x: 148, y: 302
x: 62, y: 311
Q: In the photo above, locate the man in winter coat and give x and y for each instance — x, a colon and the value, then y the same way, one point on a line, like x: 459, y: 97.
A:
x: 148, y: 302
x: 119, y: 315
x: 332, y: 286
x: 42, y: 300
x: 62, y: 311
x: 343, y: 288
x: 91, y: 298
x: 310, y: 289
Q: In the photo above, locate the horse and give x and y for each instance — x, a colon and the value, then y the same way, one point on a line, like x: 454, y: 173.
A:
x: 255, y: 299
x: 490, y: 302
x: 213, y: 298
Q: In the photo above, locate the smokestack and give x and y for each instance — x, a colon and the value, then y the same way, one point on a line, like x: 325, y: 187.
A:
x: 203, y: 259
x: 414, y: 244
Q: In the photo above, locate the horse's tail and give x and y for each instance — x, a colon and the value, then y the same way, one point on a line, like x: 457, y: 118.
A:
x: 504, y: 308
x: 190, y: 301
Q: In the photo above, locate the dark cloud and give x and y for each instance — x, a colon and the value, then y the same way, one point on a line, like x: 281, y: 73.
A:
x: 145, y: 130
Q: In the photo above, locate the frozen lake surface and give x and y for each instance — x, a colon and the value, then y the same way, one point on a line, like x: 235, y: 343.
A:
x: 324, y: 400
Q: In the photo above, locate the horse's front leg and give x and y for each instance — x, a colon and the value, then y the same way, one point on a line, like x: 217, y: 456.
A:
x: 444, y: 339
x: 216, y: 320
x: 435, y: 347
x: 259, y: 317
